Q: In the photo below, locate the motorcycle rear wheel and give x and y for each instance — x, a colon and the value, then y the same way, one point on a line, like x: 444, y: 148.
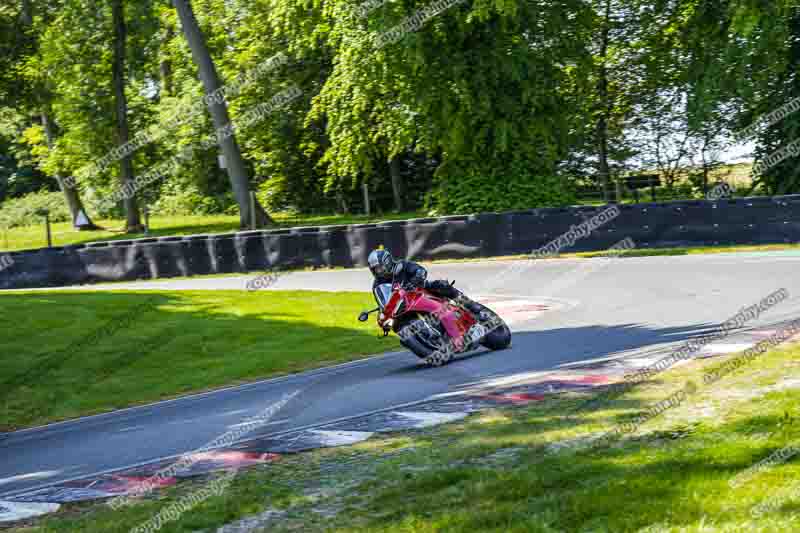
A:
x: 498, y: 339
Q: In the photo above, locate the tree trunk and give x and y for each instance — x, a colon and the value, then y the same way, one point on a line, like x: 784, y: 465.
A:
x: 706, y: 141
x: 165, y: 67
x: 132, y: 220
x: 602, y: 123
x: 70, y: 193
x: 235, y: 166
x: 397, y: 183
x: 26, y: 13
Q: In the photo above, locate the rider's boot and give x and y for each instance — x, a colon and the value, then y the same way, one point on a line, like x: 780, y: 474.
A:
x: 473, y: 307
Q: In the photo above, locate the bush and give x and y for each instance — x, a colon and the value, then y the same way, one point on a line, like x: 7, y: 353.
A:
x: 22, y: 211
x: 188, y: 200
x: 478, y: 193
x: 274, y: 194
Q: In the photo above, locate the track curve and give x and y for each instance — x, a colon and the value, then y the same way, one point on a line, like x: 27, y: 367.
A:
x: 563, y: 313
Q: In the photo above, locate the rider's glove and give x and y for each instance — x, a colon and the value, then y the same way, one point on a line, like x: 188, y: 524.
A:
x: 415, y: 282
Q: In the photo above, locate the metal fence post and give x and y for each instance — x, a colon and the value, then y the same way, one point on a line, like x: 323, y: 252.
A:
x: 252, y: 210
x: 365, y: 189
x: 49, y: 233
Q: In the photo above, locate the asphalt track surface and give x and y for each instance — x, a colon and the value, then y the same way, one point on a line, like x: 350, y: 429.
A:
x: 598, y: 309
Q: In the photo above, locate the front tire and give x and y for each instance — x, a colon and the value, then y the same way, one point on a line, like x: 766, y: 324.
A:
x: 413, y: 336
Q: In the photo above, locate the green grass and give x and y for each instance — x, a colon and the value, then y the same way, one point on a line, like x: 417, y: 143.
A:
x: 71, y: 354
x: 29, y: 237
x: 530, y: 469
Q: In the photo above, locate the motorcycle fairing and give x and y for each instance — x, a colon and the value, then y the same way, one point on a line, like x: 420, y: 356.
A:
x: 456, y: 321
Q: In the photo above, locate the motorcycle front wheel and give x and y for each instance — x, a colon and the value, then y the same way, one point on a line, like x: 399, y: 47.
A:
x: 417, y: 336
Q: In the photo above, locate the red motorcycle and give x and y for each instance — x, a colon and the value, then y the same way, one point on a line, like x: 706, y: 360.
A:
x: 435, y: 328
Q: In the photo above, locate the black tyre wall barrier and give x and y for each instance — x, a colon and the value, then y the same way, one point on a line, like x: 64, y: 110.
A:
x: 198, y: 249
x: 170, y: 257
x: 393, y: 236
x: 446, y: 238
x: 145, y: 259
x: 759, y: 220
x: 308, y: 253
x: 283, y: 249
x: 333, y: 241
x: 66, y: 268
x: 225, y: 257
x: 251, y: 247
x: 362, y: 239
x: 492, y: 232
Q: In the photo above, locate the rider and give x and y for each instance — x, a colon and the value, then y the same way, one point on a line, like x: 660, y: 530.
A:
x: 387, y: 269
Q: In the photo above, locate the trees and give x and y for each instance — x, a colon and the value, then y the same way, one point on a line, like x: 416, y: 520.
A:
x: 86, y: 60
x: 80, y: 218
x: 482, y: 86
x: 34, y: 95
x: 219, y: 113
x: 478, y: 106
x: 132, y: 219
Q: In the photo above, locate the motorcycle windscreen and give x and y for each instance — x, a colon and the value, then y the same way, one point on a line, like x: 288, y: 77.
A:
x: 382, y: 294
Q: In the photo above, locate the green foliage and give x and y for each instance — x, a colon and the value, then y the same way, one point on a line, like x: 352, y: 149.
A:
x: 274, y: 193
x: 477, y: 192
x: 476, y: 84
x: 484, y: 104
x: 18, y: 175
x: 22, y: 211
x: 189, y: 200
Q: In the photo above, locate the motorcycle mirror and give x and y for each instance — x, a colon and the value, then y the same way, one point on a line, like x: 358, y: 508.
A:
x: 363, y: 317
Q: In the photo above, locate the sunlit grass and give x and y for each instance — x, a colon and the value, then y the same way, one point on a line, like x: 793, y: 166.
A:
x: 71, y: 354
x: 30, y: 237
x: 533, y: 468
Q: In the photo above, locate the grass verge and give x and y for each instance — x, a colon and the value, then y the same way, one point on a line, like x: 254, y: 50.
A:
x: 69, y: 354
x: 29, y: 237
x: 529, y: 469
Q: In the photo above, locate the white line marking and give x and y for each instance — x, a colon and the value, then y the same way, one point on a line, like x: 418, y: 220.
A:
x: 33, y: 475
x: 131, y: 428
x: 251, y: 423
x: 234, y: 412
x: 341, y: 438
x: 426, y: 419
x: 727, y: 348
x: 280, y: 434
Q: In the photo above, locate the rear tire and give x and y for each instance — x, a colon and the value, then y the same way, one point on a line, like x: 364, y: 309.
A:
x: 498, y: 339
